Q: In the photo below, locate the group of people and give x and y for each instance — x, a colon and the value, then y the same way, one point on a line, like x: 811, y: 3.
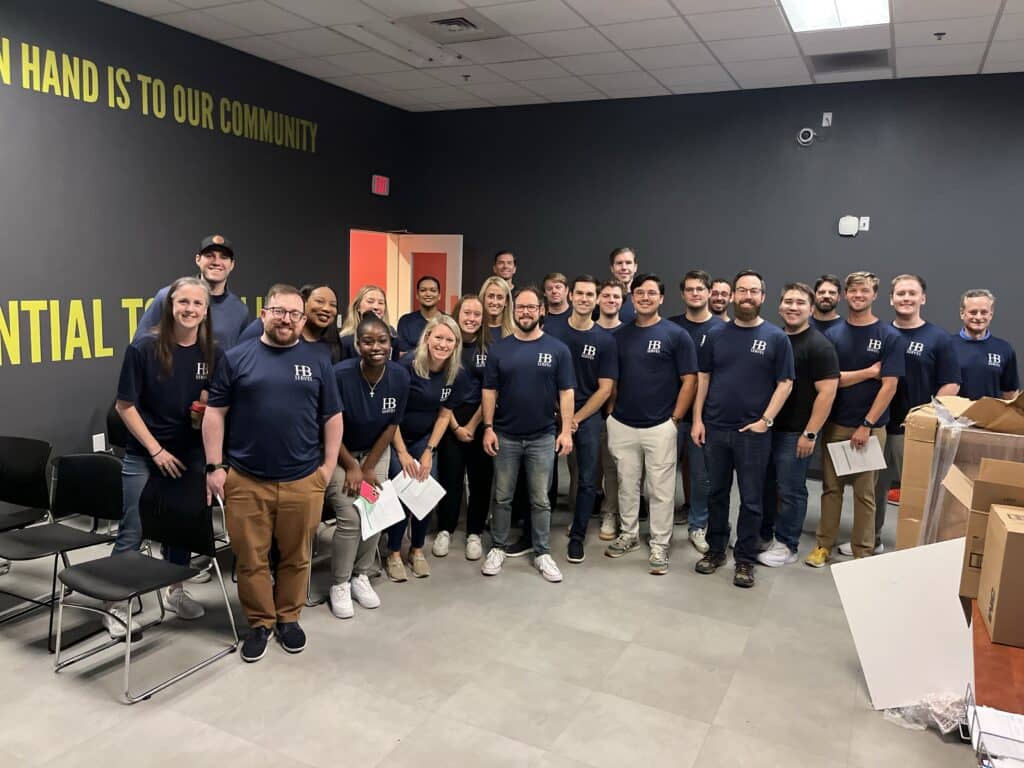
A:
x: 289, y: 412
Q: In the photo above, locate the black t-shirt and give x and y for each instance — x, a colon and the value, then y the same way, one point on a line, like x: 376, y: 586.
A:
x: 814, y: 359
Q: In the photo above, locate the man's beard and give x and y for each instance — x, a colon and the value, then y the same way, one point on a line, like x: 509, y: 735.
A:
x: 526, y: 325
x: 747, y: 312
x: 825, y: 305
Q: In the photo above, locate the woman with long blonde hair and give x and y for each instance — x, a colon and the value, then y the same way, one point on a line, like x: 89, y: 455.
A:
x: 370, y: 298
x: 496, y: 297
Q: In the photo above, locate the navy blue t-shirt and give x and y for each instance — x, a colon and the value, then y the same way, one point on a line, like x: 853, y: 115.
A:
x: 594, y: 356
x: 930, y: 362
x: 164, y: 400
x: 746, y: 363
x: 474, y: 363
x: 556, y: 322
x: 824, y: 325
x: 426, y: 397
x: 861, y: 346
x: 228, y: 315
x: 627, y: 312
x: 366, y: 415
x: 651, y: 361
x: 988, y: 367
x: 255, y: 330
x: 698, y: 331
x: 279, y: 399
x: 410, y: 327
x: 528, y: 377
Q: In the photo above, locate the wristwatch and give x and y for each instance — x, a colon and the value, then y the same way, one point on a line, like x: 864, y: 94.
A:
x: 214, y: 467
x: 811, y: 435
x: 867, y: 424
x: 768, y: 422
x: 432, y: 448
x: 487, y: 426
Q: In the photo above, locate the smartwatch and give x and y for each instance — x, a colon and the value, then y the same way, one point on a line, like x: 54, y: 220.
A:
x: 768, y: 422
x: 811, y: 435
x: 487, y: 426
x: 867, y: 424
x: 214, y: 467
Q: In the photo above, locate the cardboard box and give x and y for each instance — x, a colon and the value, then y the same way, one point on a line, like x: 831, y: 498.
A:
x: 1001, y: 588
x: 998, y: 482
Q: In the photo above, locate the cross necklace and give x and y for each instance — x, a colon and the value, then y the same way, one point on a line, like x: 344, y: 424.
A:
x: 372, y: 387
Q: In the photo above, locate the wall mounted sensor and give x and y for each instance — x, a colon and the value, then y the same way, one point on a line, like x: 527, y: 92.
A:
x: 849, y: 226
x: 805, y: 137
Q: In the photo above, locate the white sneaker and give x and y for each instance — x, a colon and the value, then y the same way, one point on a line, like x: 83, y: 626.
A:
x: 181, y: 602
x: 608, y: 527
x: 5, y: 566
x: 474, y: 547
x: 699, y: 539
x: 442, y: 541
x: 363, y: 592
x: 201, y: 578
x: 115, y: 628
x: 341, y: 601
x: 546, y: 565
x: 777, y: 554
x: 492, y: 565
x: 846, y: 549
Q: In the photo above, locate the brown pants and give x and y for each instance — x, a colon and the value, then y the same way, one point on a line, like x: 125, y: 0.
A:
x: 832, y: 486
x: 259, y: 511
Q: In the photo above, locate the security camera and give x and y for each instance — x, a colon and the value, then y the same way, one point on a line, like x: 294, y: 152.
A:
x: 805, y: 137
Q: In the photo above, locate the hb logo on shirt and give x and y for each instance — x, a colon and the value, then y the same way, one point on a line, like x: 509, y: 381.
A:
x: 874, y: 345
x: 996, y: 361
x: 388, y: 405
x: 303, y: 373
x: 480, y: 361
x: 915, y: 348
x: 653, y: 347
x: 445, y: 392
x: 759, y: 346
x: 588, y: 352
x: 544, y: 360
x: 202, y: 371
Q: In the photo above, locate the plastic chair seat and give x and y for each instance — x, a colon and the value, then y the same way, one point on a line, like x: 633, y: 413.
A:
x: 124, y: 576
x: 20, y: 518
x: 47, y: 540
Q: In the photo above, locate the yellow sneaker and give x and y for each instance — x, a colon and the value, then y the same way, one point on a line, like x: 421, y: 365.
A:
x: 818, y: 558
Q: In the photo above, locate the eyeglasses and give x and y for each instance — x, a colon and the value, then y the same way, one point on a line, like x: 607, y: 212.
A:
x: 748, y: 291
x: 527, y: 307
x: 280, y: 312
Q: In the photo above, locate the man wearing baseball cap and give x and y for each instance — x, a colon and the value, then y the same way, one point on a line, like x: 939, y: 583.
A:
x: 228, y: 315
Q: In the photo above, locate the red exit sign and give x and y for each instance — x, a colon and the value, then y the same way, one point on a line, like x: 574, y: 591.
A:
x: 380, y: 185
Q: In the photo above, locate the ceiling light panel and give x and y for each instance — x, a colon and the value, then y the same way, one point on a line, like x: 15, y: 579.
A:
x: 809, y: 15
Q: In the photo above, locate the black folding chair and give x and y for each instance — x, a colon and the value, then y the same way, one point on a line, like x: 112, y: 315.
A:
x: 180, y: 520
x: 83, y: 484
x: 23, y: 481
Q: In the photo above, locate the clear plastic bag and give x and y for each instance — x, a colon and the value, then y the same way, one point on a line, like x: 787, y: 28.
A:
x: 943, y: 711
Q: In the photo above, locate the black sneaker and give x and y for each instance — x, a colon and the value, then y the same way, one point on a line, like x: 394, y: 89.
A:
x: 255, y: 646
x: 291, y: 636
x: 576, y: 554
x: 710, y: 563
x: 519, y: 548
x: 744, y: 575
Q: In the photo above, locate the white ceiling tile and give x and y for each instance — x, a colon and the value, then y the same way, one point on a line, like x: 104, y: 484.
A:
x: 569, y: 42
x: 493, y: 51
x: 709, y: 73
x: 754, y: 48
x: 688, y: 55
x: 637, y: 93
x: 457, y: 75
x: 940, y: 55
x: 770, y: 73
x: 535, y: 69
x: 1012, y: 6
x: 264, y: 48
x: 313, y: 67
x: 199, y: 4
x: 938, y: 70
x: 202, y: 24
x: 357, y: 83
x: 721, y: 85
x: 405, y: 81
x: 873, y: 38
x: 516, y: 101
x: 752, y: 22
x: 614, y: 11
x: 259, y: 17
x: 319, y: 41
x: 1011, y: 27
x: 592, y: 96
x: 499, y: 91
x: 559, y: 87
x: 996, y: 67
x: 447, y: 94
x: 1006, y: 50
x: 650, y: 33
x: 484, y: 3
x: 924, y: 10
x: 146, y: 7
x: 424, y: 108
x: 398, y: 9
x: 398, y: 99
x: 975, y: 29
x: 471, y: 102
x: 598, y: 63
x: 710, y: 6
x: 533, y: 16
x: 879, y: 73
x: 366, y: 63
x: 331, y: 13
x: 621, y: 81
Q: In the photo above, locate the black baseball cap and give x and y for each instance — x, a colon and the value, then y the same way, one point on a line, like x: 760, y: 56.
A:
x: 218, y: 242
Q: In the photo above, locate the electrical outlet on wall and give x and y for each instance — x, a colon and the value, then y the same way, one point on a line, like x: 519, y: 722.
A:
x: 826, y: 119
x: 865, y: 223
x: 99, y: 443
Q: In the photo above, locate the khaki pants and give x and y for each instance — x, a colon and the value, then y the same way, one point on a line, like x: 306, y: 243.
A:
x: 259, y: 511
x: 651, y: 451
x: 863, y: 538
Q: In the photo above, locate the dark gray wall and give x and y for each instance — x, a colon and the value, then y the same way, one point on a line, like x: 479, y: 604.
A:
x: 102, y: 203
x: 718, y: 181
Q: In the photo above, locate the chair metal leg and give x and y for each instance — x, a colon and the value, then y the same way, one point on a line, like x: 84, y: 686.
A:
x: 312, y: 602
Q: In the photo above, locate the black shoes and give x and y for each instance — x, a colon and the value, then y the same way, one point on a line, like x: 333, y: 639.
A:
x: 744, y: 575
x: 255, y: 646
x: 520, y: 548
x: 576, y: 553
x: 710, y: 563
x: 291, y: 636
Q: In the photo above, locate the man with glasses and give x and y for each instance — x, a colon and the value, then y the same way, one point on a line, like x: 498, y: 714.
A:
x: 228, y: 315
x: 528, y: 376
x: 657, y: 378
x: 720, y: 297
x: 746, y: 374
x: 281, y: 447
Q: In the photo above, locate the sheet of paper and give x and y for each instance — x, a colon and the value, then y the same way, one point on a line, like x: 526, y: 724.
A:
x: 419, y: 497
x: 385, y: 512
x: 907, y: 623
x: 849, y: 461
x: 1002, y: 732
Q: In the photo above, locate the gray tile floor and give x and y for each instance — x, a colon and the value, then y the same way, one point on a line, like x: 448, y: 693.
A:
x: 611, y: 668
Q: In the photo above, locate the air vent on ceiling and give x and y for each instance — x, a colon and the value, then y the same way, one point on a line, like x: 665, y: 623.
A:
x: 458, y: 25
x: 849, y: 62
x: 455, y: 25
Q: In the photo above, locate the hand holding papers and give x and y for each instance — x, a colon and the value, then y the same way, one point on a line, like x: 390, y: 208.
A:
x: 847, y: 460
x: 375, y: 517
x: 419, y: 496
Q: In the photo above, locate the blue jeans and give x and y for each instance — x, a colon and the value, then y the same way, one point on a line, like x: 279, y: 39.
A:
x: 134, y: 476
x: 537, y: 456
x: 700, y: 486
x: 418, y: 528
x: 587, y: 444
x: 748, y: 453
x: 791, y: 481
